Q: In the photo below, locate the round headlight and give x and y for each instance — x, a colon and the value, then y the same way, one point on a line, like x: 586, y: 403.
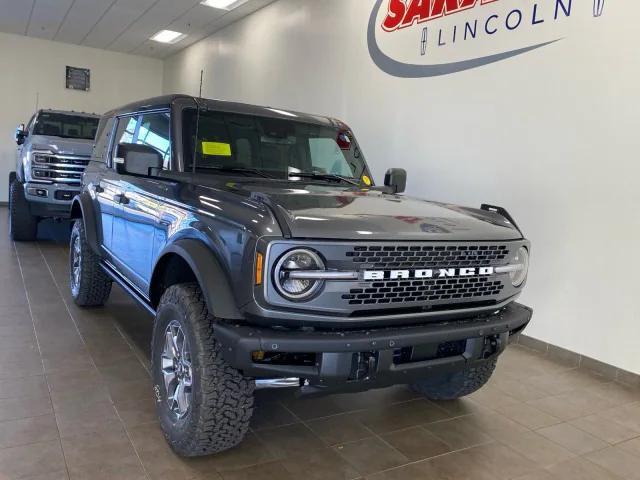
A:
x: 295, y: 261
x: 521, y: 260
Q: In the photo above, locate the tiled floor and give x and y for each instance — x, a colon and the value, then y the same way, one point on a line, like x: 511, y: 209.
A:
x: 76, y: 403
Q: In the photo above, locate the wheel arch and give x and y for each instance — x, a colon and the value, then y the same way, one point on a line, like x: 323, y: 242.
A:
x: 82, y: 208
x: 189, y: 260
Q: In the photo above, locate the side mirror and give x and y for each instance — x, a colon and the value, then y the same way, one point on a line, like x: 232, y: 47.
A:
x: 136, y: 159
x: 21, y: 133
x: 396, y: 180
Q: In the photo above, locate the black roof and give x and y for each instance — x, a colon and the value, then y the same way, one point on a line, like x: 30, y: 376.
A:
x: 168, y: 101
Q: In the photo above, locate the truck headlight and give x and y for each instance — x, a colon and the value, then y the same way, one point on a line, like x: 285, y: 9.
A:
x: 521, y: 260
x: 297, y: 260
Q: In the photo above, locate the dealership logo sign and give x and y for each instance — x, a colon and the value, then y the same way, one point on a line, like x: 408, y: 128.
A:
x: 428, y: 38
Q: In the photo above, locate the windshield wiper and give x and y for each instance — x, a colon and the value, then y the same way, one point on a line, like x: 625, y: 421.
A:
x: 238, y: 170
x: 324, y: 176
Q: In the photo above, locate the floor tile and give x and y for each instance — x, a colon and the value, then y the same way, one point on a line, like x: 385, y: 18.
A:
x: 617, y: 461
x: 538, y: 449
x: 33, y: 386
x: 458, y: 433
x: 320, y: 465
x: 631, y: 446
x: 265, y: 470
x: 416, y: 443
x: 581, y: 469
x: 528, y: 415
x: 572, y: 438
x: 606, y: 429
x: 30, y: 460
x: 290, y: 440
x: 404, y: 415
x: 339, y: 429
x: 270, y: 415
x: 500, y: 461
x: 371, y: 455
x: 28, y: 430
x: 24, y: 407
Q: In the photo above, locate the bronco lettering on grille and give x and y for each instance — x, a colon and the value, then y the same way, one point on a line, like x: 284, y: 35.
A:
x: 427, y: 273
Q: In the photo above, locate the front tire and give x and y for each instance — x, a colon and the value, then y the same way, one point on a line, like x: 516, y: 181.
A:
x: 22, y: 225
x: 203, y: 403
x: 456, y: 385
x: 90, y: 285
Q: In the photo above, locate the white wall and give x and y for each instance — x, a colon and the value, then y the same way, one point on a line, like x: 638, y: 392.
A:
x: 552, y: 135
x: 32, y: 66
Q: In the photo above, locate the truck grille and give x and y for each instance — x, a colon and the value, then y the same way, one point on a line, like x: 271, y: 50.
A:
x: 428, y: 256
x: 66, y: 169
x: 395, y: 291
x: 428, y: 290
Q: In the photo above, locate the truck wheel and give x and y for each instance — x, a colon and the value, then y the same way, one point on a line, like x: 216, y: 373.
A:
x: 22, y: 225
x: 204, y: 405
x: 90, y: 285
x: 458, y: 384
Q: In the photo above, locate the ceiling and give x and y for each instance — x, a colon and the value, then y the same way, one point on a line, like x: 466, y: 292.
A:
x: 119, y: 25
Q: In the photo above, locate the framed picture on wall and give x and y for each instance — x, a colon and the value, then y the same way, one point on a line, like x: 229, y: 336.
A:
x: 78, y: 78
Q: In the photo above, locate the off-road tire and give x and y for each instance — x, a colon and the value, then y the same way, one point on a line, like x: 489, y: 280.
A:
x: 458, y: 384
x: 221, y: 397
x: 22, y: 225
x: 94, y: 285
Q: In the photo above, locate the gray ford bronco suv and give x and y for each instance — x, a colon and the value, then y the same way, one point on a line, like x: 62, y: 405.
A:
x: 257, y: 239
x: 53, y: 151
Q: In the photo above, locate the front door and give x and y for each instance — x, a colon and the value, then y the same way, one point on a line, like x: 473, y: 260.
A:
x: 142, y: 203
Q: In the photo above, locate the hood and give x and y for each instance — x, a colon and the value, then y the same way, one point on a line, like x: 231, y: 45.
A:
x: 62, y: 146
x: 328, y: 212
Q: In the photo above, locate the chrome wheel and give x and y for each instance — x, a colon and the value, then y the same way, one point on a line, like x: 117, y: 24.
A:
x: 176, y: 369
x: 76, y: 262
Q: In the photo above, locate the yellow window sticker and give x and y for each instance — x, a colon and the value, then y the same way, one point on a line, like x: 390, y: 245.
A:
x: 216, y: 148
x: 366, y: 180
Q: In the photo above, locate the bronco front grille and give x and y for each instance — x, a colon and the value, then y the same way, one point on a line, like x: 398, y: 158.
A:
x: 428, y: 256
x: 59, y: 168
x: 427, y: 290
x: 431, y: 290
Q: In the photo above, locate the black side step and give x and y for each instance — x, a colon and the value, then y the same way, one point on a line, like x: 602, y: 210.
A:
x: 127, y: 287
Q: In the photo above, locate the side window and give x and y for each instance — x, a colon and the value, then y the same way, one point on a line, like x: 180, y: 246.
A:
x: 154, y: 131
x: 327, y: 157
x: 126, y: 130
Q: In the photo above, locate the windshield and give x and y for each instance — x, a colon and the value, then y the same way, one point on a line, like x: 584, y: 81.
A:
x: 271, y: 147
x: 66, y: 126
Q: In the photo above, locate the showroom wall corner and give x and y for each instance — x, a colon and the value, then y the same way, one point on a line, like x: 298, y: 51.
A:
x: 550, y: 134
x: 34, y: 73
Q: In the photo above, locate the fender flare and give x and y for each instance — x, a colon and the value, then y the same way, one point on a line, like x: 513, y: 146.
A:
x: 211, y: 277
x: 82, y: 207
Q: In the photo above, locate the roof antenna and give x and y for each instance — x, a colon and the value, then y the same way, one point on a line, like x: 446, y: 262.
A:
x: 37, y: 100
x: 195, y: 146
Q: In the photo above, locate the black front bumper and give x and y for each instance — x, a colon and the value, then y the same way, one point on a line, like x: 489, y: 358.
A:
x: 357, y: 360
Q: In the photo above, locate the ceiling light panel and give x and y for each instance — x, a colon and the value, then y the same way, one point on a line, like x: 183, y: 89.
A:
x: 168, y: 36
x: 223, y: 4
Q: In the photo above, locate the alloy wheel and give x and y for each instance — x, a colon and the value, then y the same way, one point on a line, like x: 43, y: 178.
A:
x: 176, y: 369
x: 76, y: 262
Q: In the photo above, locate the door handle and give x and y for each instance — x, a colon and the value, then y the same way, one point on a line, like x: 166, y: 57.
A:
x: 121, y: 198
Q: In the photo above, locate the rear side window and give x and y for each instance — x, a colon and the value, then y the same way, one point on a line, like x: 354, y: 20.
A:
x: 151, y: 129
